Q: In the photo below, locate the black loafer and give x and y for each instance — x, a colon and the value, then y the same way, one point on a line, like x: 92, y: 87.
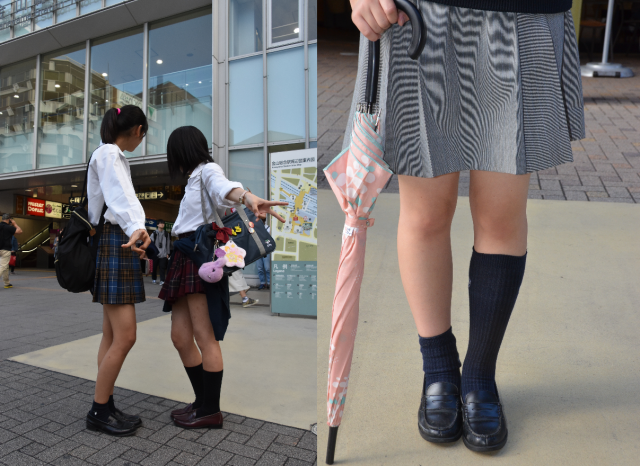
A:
x: 485, y: 427
x: 439, y: 418
x: 130, y: 418
x: 112, y: 426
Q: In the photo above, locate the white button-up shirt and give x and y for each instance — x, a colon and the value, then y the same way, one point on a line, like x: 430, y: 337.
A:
x: 109, y: 181
x: 218, y: 188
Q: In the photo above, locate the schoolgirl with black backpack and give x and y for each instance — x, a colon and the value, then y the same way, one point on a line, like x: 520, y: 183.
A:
x: 117, y: 279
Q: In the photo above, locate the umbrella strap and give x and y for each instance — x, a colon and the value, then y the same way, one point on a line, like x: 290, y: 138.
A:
x: 352, y: 224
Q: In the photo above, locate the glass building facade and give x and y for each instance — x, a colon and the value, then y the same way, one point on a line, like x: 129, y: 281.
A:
x: 248, y: 82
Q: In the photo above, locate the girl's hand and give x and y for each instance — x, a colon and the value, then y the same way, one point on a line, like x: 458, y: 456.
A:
x: 373, y: 17
x: 260, y: 206
x: 139, y: 235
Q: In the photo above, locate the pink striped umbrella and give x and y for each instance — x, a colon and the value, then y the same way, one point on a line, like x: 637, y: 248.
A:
x: 356, y: 176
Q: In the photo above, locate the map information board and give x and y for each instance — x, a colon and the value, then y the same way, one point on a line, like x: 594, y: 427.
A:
x: 294, y: 179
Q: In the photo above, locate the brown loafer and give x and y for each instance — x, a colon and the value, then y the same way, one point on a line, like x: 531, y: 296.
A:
x: 180, y: 412
x: 213, y: 421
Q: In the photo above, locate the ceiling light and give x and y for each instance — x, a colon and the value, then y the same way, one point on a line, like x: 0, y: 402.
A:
x: 106, y: 101
x: 0, y: 113
x: 57, y: 85
x: 187, y: 84
x: 296, y: 30
x: 74, y: 186
x: 199, y: 82
x: 28, y: 190
x: 17, y: 96
x: 159, y: 62
x: 105, y: 74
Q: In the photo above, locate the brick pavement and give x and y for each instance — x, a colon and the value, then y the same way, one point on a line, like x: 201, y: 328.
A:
x: 42, y: 412
x: 606, y: 165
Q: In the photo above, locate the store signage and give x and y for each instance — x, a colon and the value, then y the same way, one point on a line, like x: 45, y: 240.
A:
x: 76, y: 200
x: 52, y: 209
x: 150, y: 224
x: 26, y: 10
x: 153, y: 195
x: 66, y: 211
x: 35, y: 207
x: 19, y: 210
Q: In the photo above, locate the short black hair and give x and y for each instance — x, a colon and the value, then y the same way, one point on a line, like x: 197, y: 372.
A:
x: 160, y: 221
x: 118, y: 121
x: 186, y: 149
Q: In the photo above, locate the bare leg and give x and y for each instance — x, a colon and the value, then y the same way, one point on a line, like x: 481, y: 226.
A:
x: 182, y: 334
x: 203, y: 332
x: 107, y: 338
x: 122, y: 320
x: 499, y: 209
x: 424, y: 249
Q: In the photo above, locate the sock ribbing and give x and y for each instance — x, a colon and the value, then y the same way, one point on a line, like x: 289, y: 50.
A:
x: 440, y: 360
x: 494, y: 284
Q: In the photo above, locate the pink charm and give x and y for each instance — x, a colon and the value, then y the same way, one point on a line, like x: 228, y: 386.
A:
x: 234, y: 254
x: 211, y: 272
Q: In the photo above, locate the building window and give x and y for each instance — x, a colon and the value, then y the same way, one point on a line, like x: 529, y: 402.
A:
x: 285, y: 21
x: 22, y: 17
x: 113, y: 2
x: 5, y: 18
x: 180, y: 82
x: 286, y: 95
x: 245, y: 27
x: 116, y: 79
x: 313, y: 91
x: 67, y: 11
x: 60, y: 123
x: 312, y: 22
x: 46, y: 19
x: 17, y: 91
x: 247, y: 167
x: 246, y: 107
x: 87, y: 6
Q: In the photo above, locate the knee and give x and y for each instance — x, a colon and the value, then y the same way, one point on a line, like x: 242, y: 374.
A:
x: 126, y: 342
x: 205, y: 341
x: 427, y: 225
x: 181, y: 341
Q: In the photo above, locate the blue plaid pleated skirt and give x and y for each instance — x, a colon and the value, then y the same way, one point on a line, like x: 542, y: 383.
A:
x: 118, y: 275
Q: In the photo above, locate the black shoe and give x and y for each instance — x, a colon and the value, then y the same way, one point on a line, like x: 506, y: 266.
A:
x: 485, y: 427
x: 130, y: 418
x: 439, y: 418
x: 112, y: 426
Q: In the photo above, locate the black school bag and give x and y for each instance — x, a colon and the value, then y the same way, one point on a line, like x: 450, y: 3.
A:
x: 78, y: 248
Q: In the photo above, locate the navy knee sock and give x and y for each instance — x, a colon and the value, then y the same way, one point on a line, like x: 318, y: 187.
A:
x: 494, y: 284
x: 211, y: 393
x: 197, y: 383
x: 440, y: 360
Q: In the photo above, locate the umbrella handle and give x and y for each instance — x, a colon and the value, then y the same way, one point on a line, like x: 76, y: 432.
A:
x: 419, y: 38
x: 331, y: 444
x: 418, y: 41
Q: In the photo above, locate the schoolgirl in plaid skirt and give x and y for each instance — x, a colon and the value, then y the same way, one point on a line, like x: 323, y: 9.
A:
x: 188, y: 155
x: 118, y: 282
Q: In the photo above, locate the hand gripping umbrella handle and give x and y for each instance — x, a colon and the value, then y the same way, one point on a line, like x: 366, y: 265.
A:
x: 418, y: 41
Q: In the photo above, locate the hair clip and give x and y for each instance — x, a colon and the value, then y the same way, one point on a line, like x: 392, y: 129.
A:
x: 118, y: 111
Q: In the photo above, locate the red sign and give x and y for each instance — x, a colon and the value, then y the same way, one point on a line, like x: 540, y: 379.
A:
x: 35, y: 207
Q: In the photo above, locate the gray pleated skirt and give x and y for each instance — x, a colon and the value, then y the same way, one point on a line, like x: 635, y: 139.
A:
x: 491, y: 91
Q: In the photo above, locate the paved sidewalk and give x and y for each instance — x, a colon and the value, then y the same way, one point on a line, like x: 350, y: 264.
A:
x: 42, y: 411
x: 606, y: 165
x: 42, y: 423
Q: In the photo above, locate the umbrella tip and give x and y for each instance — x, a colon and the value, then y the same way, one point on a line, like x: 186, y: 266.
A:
x: 331, y: 444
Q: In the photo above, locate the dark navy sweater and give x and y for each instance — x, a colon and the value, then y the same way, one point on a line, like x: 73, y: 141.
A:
x: 515, y: 6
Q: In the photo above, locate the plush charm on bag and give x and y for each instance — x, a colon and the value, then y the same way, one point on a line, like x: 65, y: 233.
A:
x: 212, y: 272
x: 234, y: 254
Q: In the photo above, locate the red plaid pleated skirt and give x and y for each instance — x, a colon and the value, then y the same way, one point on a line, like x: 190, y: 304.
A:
x: 182, y: 278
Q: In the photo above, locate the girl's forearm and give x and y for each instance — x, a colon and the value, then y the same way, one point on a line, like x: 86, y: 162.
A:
x: 234, y: 194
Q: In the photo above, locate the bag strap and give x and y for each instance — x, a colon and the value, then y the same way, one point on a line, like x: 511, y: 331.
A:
x: 218, y: 220
x: 85, y: 195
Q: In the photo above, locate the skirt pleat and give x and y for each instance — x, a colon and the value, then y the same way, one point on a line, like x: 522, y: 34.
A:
x: 118, y: 275
x: 492, y: 91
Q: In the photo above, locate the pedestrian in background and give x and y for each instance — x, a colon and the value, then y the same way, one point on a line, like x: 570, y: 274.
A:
x: 193, y: 311
x: 14, y: 254
x: 497, y: 91
x: 55, y: 244
x: 237, y: 284
x: 162, y: 240
x: 264, y: 263
x: 8, y: 228
x: 118, y: 282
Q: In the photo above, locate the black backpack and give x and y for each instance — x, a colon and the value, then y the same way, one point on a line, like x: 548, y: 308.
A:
x: 78, y: 248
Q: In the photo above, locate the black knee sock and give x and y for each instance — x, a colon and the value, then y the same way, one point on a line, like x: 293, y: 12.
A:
x: 101, y: 411
x: 440, y: 360
x: 211, y: 395
x: 494, y: 283
x: 196, y: 379
x: 112, y: 405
